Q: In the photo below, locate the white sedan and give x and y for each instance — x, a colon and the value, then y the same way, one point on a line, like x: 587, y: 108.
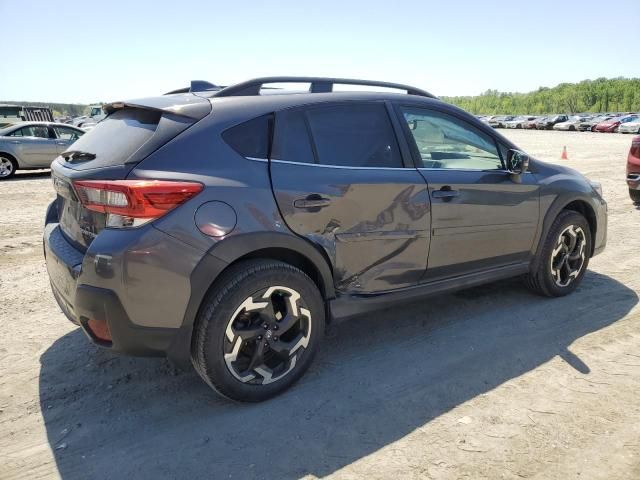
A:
x: 630, y: 127
x: 571, y: 124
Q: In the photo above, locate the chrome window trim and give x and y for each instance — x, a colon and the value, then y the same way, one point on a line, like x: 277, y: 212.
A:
x: 498, y: 170
x: 341, y: 167
x: 256, y: 159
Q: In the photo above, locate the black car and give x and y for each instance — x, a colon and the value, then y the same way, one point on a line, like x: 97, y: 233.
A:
x: 225, y: 227
x: 547, y: 123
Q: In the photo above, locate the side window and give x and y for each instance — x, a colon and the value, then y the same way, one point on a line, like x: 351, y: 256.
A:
x: 250, y: 139
x: 16, y: 133
x: 353, y: 135
x: 291, y: 138
x: 40, y: 131
x: 443, y: 141
x: 67, y: 133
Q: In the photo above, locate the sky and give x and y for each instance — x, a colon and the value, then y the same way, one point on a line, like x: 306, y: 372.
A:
x: 88, y: 51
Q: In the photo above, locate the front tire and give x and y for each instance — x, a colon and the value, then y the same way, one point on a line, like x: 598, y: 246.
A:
x: 563, y: 258
x: 258, y: 330
x: 635, y: 195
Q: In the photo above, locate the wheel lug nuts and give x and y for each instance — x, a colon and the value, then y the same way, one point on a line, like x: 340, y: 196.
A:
x: 265, y: 326
x: 259, y: 337
x: 275, y: 327
x: 275, y: 339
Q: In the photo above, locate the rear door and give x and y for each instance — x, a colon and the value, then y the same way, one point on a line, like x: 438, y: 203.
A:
x: 340, y: 181
x: 65, y: 136
x: 481, y: 217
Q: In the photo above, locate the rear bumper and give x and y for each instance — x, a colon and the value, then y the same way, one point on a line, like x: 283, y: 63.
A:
x: 633, y: 181
x: 81, y: 302
x: 146, y: 285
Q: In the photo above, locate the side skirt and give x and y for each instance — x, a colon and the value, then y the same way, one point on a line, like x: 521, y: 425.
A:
x: 346, y: 306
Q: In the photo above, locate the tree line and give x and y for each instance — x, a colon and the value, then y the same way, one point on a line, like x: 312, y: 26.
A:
x: 600, y: 95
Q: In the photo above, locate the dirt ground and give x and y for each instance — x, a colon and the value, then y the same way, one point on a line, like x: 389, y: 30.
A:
x: 492, y: 382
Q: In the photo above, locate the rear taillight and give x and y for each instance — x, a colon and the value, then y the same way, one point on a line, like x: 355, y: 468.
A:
x: 131, y: 203
x: 635, y: 148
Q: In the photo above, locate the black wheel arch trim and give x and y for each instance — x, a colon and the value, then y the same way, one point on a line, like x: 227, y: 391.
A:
x: 225, y: 253
x: 558, y: 205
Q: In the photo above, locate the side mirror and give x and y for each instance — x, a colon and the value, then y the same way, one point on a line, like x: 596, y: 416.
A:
x: 517, y: 162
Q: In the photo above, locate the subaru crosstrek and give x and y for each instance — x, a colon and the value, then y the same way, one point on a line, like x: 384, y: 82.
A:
x: 224, y: 227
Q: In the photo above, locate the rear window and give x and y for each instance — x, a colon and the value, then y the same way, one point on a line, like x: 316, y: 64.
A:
x: 118, y: 136
x: 250, y: 139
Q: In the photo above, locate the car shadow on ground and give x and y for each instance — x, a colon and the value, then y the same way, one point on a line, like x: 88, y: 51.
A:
x: 28, y: 175
x: 377, y: 379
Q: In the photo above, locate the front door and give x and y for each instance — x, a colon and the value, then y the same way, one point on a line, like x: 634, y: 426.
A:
x: 481, y: 216
x: 340, y: 181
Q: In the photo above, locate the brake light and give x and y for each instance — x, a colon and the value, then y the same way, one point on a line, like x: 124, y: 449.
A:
x: 635, y: 148
x: 131, y: 203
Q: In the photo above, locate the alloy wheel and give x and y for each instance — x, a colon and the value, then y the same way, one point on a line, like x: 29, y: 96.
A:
x: 6, y: 167
x: 266, y: 335
x: 568, y: 256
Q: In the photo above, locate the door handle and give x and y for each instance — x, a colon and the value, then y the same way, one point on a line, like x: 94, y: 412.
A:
x: 446, y: 193
x: 312, y: 201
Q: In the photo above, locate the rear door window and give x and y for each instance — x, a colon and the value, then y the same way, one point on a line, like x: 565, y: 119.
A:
x: 66, y: 133
x: 291, y: 140
x: 353, y: 135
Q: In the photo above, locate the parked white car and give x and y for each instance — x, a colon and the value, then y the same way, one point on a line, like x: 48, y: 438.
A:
x: 519, y: 122
x: 630, y: 127
x: 95, y: 115
x: 571, y: 124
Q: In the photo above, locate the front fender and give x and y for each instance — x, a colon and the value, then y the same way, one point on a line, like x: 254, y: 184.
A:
x: 557, y: 192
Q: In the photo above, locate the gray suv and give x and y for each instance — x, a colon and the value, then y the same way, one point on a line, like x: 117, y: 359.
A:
x: 224, y: 227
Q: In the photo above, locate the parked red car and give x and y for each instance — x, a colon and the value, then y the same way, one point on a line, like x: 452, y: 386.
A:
x: 612, y: 124
x: 633, y: 170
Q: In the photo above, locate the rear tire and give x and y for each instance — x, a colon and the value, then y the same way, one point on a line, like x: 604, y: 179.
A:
x: 258, y: 330
x: 8, y: 166
x: 564, y: 257
x: 635, y: 195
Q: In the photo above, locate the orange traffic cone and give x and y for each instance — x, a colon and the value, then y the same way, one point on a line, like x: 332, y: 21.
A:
x: 564, y: 154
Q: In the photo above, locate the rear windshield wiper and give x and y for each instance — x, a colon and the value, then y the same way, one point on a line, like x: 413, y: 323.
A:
x: 71, y: 155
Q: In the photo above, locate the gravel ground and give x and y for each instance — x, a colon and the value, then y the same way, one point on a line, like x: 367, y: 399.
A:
x: 492, y: 382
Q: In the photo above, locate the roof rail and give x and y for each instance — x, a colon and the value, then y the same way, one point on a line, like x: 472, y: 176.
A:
x: 196, y: 86
x: 318, y: 85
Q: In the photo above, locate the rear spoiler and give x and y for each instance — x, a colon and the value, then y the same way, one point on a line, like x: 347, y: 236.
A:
x: 185, y: 105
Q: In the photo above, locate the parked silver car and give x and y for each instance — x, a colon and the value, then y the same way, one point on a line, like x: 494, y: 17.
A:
x: 32, y: 145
